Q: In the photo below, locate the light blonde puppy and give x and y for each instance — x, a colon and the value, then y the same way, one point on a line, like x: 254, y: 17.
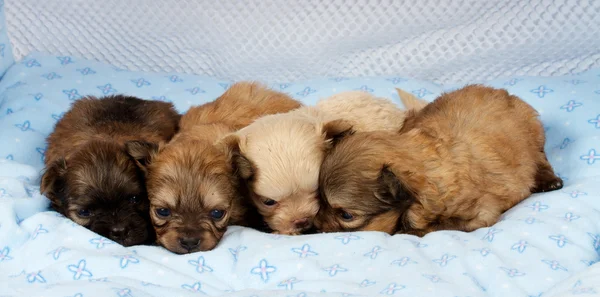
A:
x: 286, y: 151
x: 366, y: 112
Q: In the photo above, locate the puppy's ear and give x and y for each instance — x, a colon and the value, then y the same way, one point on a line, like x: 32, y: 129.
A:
x: 392, y: 191
x: 336, y: 130
x: 53, y: 182
x: 410, y: 101
x: 142, y: 152
x: 242, y: 166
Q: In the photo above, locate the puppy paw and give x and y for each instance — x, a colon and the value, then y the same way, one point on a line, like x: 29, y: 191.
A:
x: 547, y: 185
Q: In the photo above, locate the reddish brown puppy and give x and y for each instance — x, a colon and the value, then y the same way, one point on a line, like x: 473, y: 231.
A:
x: 457, y: 164
x: 195, y: 182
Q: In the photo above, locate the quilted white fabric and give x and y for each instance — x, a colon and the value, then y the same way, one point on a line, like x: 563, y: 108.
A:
x: 281, y: 41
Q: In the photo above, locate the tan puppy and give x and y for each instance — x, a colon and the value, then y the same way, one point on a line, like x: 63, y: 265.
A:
x: 457, y: 164
x: 89, y: 176
x: 193, y: 184
x: 286, y: 151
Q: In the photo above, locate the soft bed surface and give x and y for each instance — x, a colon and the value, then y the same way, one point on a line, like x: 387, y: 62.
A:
x: 547, y: 245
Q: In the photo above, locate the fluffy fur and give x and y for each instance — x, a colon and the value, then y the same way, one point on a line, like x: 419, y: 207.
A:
x: 194, y: 183
x: 457, y: 164
x: 356, y: 107
x: 366, y: 112
x: 286, y: 151
x: 89, y: 176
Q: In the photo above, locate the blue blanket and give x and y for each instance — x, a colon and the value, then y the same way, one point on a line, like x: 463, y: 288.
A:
x: 547, y: 245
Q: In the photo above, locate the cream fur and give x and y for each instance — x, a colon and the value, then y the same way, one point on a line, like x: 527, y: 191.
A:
x: 286, y: 150
x: 364, y: 111
x: 285, y: 147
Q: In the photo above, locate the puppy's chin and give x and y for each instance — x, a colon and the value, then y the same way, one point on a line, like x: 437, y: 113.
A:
x: 171, y: 240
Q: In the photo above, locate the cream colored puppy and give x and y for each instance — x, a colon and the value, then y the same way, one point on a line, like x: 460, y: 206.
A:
x: 286, y: 151
x: 366, y: 112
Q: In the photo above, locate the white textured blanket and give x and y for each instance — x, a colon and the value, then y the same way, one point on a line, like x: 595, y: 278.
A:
x: 288, y: 40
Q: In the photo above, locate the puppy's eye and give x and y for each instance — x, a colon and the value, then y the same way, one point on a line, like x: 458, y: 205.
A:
x: 84, y: 213
x: 163, y: 212
x: 269, y: 202
x: 346, y: 216
x: 217, y: 214
x: 134, y: 199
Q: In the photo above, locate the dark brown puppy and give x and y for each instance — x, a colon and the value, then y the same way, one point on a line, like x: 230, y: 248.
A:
x: 195, y: 182
x: 89, y: 176
x: 457, y: 164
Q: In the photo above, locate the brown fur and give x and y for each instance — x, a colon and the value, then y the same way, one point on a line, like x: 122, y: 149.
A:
x: 286, y: 151
x: 239, y: 106
x: 88, y: 168
x: 193, y: 176
x: 457, y: 164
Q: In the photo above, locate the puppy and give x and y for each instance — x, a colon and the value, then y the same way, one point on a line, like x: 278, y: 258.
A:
x: 90, y: 178
x: 285, y: 152
x: 193, y: 182
x: 366, y: 112
x: 457, y: 164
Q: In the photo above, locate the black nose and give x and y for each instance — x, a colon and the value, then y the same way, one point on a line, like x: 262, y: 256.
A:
x: 189, y: 243
x: 117, y: 232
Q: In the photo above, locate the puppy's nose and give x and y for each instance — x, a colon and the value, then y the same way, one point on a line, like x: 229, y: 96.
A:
x: 117, y: 232
x: 301, y: 223
x: 189, y: 243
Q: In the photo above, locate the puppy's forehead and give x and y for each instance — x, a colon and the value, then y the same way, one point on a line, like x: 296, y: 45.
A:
x: 349, y: 181
x: 192, y: 193
x: 359, y: 198
x: 109, y: 175
x: 286, y: 156
x: 342, y: 193
x: 82, y: 201
x: 190, y: 178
